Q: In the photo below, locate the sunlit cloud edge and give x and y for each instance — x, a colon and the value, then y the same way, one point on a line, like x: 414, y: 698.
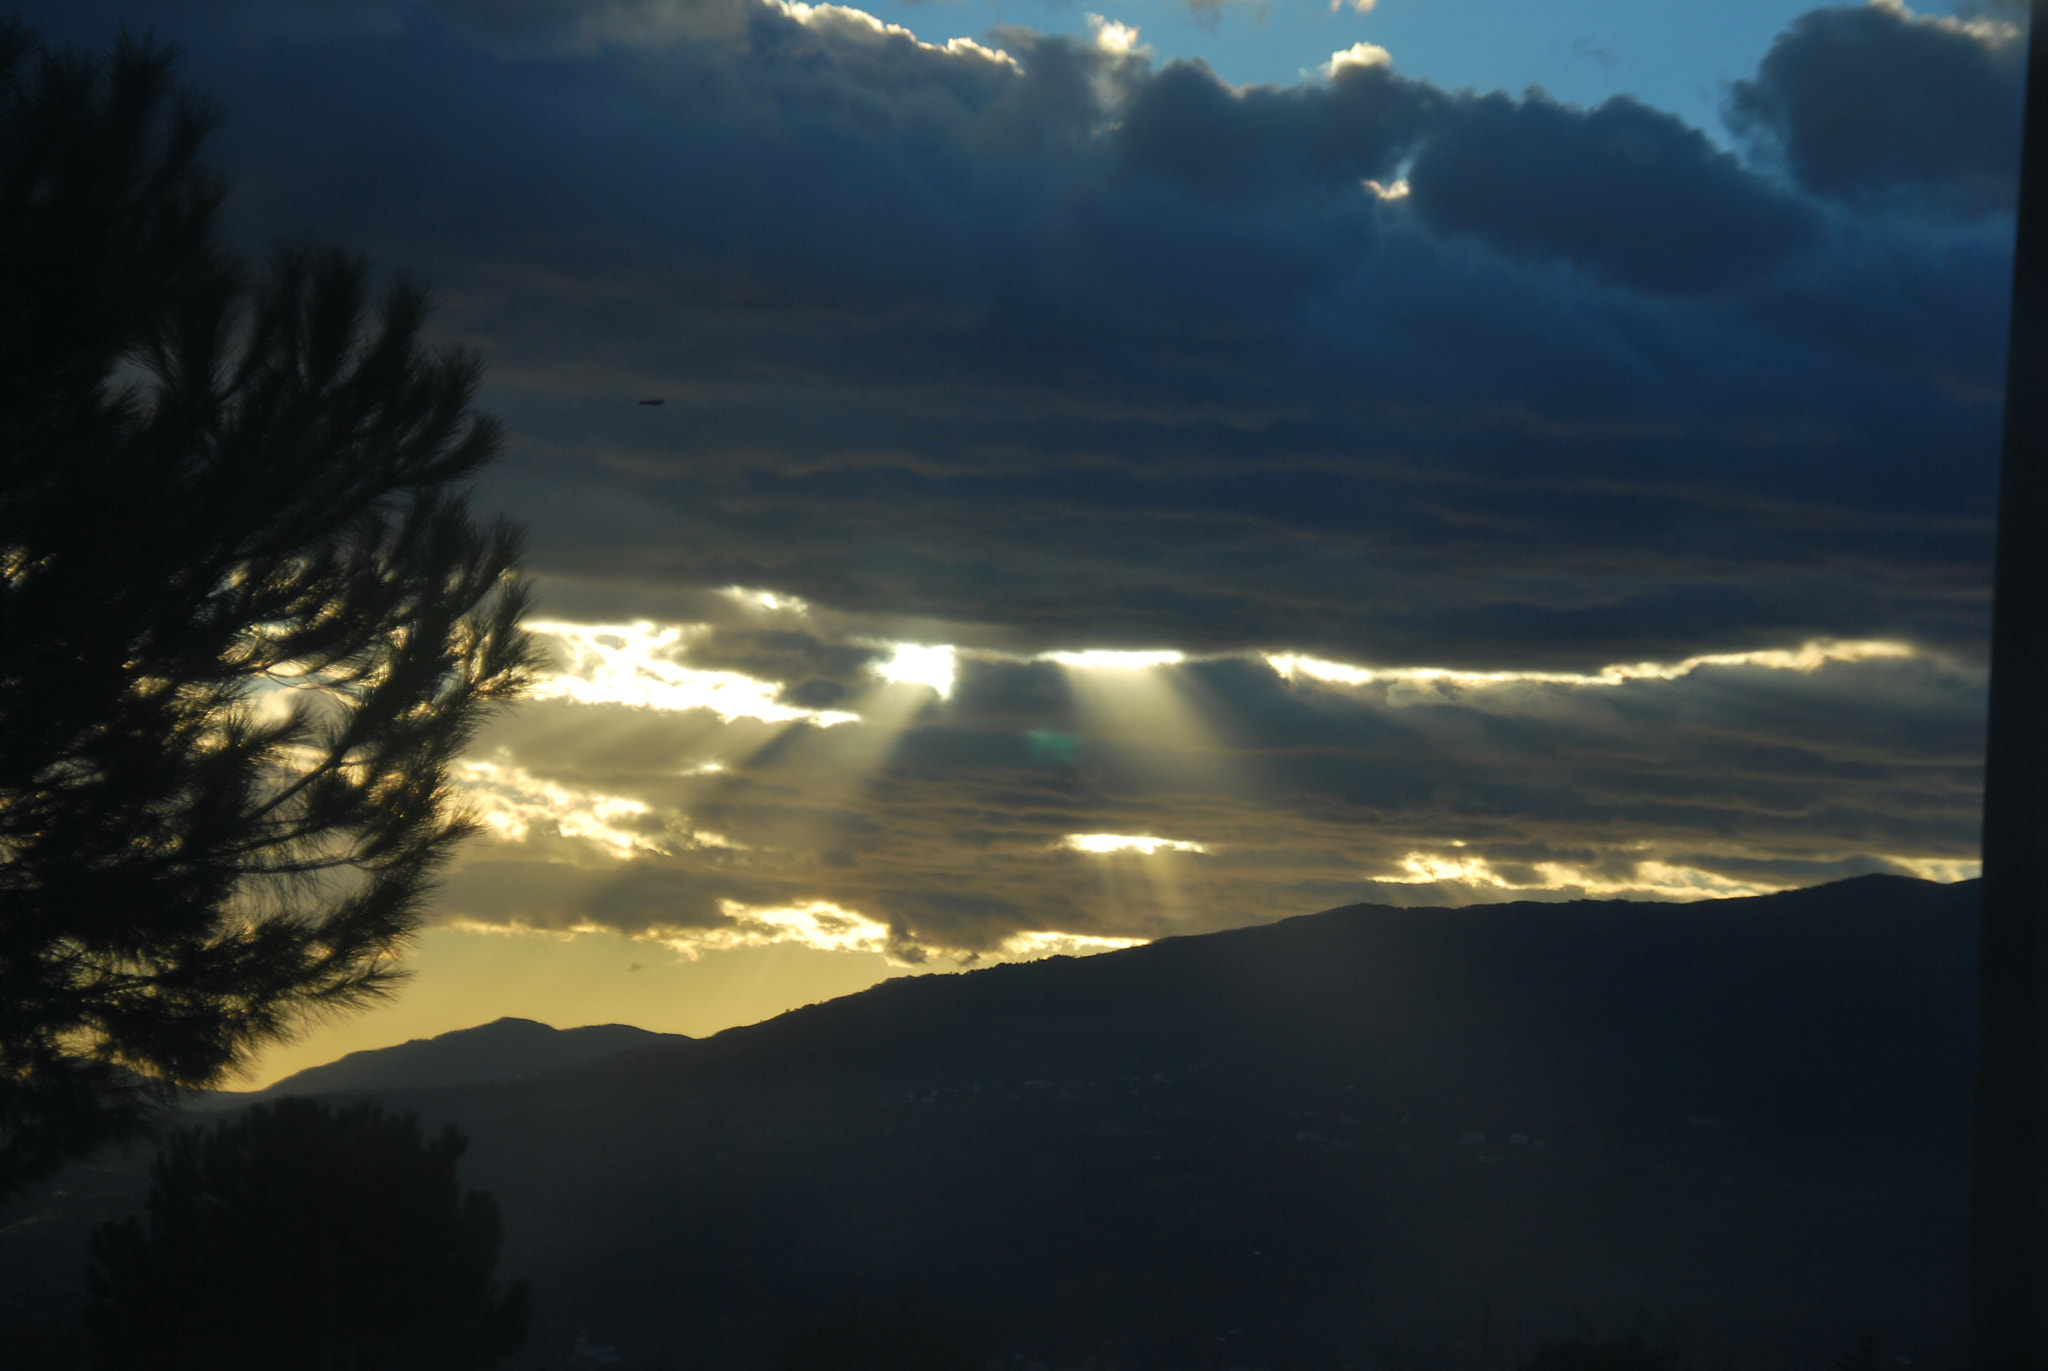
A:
x: 1101, y: 844
x: 1808, y: 657
x: 1650, y: 879
x: 817, y: 925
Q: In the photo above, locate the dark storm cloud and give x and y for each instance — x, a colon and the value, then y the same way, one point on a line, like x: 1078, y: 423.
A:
x: 1628, y: 192
x: 1048, y: 348
x: 1876, y: 106
x: 1188, y: 129
x: 1052, y: 348
x: 816, y: 674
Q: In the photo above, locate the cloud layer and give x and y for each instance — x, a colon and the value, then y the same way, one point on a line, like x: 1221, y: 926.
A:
x: 1110, y: 799
x: 1876, y: 107
x: 1061, y: 345
x: 1022, y: 345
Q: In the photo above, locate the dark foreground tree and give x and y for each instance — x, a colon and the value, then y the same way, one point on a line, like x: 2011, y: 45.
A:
x: 296, y: 1237
x: 246, y: 619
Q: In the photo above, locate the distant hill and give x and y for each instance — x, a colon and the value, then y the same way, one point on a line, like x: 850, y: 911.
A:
x: 1349, y: 1139
x: 500, y: 1051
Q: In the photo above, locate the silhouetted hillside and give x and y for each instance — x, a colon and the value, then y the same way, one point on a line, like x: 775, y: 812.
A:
x: 469, y: 1056
x: 1326, y: 1142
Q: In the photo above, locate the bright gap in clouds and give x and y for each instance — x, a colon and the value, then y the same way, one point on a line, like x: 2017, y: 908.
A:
x: 915, y: 665
x: 515, y: 806
x: 1029, y: 947
x: 1807, y: 657
x: 767, y: 600
x: 1647, y: 880
x: 1132, y: 699
x: 1120, y: 842
x: 512, y: 802
x: 635, y: 664
x: 1651, y: 880
x: 1099, y: 659
x: 818, y: 924
x: 823, y: 926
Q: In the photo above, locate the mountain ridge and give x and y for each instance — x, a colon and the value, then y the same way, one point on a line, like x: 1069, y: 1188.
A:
x: 1748, y: 1115
x: 503, y: 1049
x: 1323, y: 1142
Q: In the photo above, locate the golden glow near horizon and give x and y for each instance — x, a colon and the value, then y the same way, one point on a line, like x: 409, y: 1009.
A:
x: 1808, y: 657
x: 462, y: 975
x: 1947, y: 871
x: 645, y: 779
x: 1119, y: 842
x: 1029, y: 947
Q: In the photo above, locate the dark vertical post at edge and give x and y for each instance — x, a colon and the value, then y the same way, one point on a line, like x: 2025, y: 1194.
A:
x: 2009, y: 1161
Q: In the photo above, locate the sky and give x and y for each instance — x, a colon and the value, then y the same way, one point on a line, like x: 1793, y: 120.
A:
x: 1141, y: 471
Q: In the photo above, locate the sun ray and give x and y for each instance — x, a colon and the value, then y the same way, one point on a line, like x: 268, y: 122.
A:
x: 1135, y: 701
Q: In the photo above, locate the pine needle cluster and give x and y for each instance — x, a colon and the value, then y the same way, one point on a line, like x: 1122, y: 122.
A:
x: 248, y: 622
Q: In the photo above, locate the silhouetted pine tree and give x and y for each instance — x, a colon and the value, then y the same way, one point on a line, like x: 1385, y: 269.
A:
x: 296, y: 1238
x: 246, y: 620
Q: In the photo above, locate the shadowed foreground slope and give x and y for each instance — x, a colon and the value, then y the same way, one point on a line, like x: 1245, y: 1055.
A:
x: 1324, y: 1142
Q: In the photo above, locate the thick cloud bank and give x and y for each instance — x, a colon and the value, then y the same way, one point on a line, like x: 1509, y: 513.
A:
x: 1627, y: 192
x: 1054, y: 344
x: 1876, y: 105
x: 966, y: 804
x: 978, y: 351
